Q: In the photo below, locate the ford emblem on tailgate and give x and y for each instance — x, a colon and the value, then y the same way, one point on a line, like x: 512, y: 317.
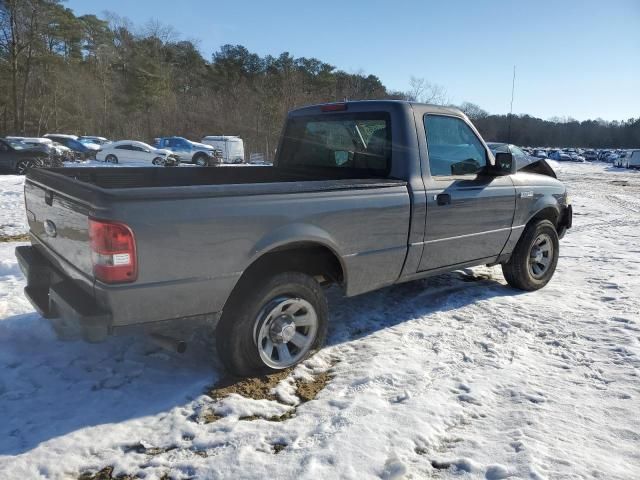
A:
x: 50, y: 228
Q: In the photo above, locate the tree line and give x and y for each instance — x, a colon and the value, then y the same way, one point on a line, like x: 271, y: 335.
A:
x: 60, y: 72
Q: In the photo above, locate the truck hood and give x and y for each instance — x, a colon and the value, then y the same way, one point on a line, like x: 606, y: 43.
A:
x: 540, y: 167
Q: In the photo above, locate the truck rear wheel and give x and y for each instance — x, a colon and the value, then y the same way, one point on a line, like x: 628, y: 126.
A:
x: 535, y: 257
x: 272, y: 327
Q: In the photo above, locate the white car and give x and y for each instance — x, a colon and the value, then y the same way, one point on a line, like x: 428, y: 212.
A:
x: 131, y: 152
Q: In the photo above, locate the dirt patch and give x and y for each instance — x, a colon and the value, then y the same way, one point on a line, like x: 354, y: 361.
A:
x: 105, y: 474
x: 278, y: 447
x: 23, y: 237
x: 307, y: 391
x: 257, y: 388
x: 260, y: 388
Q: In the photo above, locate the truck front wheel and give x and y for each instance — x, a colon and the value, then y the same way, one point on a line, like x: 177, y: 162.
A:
x: 535, y: 257
x: 272, y: 327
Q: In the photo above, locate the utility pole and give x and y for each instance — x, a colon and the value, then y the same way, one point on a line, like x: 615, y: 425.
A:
x: 513, y: 87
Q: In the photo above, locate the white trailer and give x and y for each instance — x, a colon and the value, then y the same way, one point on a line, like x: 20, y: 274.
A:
x: 232, y: 147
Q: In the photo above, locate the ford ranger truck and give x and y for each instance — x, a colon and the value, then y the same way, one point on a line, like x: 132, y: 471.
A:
x: 362, y: 195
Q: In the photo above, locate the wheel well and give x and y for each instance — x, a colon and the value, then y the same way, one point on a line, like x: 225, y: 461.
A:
x: 315, y: 260
x: 548, y: 213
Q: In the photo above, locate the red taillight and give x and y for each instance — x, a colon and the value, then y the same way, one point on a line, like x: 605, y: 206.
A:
x: 333, y: 107
x: 113, y: 251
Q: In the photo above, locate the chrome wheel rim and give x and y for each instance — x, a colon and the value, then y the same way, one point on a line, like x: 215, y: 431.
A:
x: 286, y: 330
x: 540, y: 256
x: 23, y: 167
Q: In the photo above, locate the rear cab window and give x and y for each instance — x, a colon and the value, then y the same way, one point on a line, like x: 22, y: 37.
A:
x: 360, y: 141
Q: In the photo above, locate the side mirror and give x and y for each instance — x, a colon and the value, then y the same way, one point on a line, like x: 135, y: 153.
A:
x: 505, y: 164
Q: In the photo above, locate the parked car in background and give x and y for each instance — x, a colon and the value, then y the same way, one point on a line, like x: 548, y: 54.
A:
x: 590, y: 155
x: 232, y: 147
x: 611, y: 157
x: 576, y: 157
x: 560, y: 156
x: 82, y: 151
x: 188, y: 151
x: 520, y: 157
x: 634, y: 159
x: 540, y: 153
x: 131, y: 152
x: 15, y: 157
x: 55, y: 150
x: 622, y: 159
x: 95, y: 140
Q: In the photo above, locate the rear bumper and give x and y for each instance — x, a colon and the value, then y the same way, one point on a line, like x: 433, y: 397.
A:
x: 73, y: 312
x: 566, y: 221
x: 58, y: 298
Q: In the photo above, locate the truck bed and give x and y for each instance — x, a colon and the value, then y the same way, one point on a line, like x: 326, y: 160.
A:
x: 94, y: 185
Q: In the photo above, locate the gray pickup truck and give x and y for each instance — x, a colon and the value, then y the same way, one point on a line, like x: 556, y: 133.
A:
x: 361, y: 195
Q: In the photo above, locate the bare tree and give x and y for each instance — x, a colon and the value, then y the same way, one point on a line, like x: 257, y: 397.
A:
x: 473, y: 111
x: 421, y: 90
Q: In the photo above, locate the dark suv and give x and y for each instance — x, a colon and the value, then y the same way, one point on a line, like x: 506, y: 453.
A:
x: 18, y: 158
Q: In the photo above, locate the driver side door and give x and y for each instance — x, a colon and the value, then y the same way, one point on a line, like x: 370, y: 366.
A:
x: 469, y: 213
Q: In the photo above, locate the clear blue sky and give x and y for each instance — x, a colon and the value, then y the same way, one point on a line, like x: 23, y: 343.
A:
x: 573, y: 58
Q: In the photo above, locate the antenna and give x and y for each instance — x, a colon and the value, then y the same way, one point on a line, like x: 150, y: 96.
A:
x: 513, y: 87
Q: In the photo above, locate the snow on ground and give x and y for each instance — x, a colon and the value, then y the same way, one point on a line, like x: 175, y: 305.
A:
x: 13, y: 220
x: 456, y: 376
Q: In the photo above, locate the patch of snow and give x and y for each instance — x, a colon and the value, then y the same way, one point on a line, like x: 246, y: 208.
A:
x: 13, y: 220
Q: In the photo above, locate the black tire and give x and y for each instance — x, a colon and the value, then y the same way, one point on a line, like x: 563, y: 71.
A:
x: 245, y: 314
x: 522, y: 271
x: 201, y: 160
x: 157, y: 161
x: 111, y: 159
x: 23, y: 166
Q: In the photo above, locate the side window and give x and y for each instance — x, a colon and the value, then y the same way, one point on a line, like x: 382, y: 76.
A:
x: 4, y: 147
x: 123, y: 147
x: 453, y: 147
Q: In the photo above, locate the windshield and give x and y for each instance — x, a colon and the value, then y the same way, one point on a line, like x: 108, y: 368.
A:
x: 16, y: 144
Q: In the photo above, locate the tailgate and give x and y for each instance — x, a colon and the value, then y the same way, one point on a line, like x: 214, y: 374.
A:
x: 60, y: 223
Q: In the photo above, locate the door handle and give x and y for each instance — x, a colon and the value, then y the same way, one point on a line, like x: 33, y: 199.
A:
x: 443, y: 199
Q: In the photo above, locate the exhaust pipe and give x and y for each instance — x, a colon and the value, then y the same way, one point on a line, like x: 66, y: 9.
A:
x: 168, y: 343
